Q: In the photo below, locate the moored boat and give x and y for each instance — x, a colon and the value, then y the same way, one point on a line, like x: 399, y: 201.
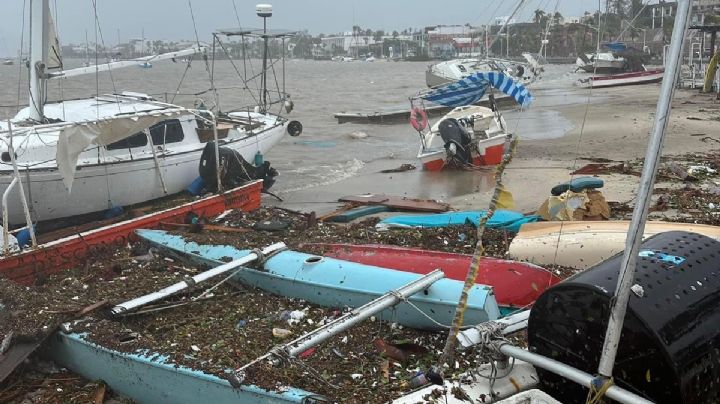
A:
x: 335, y: 283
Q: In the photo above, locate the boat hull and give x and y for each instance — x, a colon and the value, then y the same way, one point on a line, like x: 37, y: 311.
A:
x: 28, y: 266
x: 490, y: 154
x: 121, y: 183
x: 584, y: 244
x: 624, y: 79
x: 335, y: 283
x: 515, y: 284
x: 151, y: 378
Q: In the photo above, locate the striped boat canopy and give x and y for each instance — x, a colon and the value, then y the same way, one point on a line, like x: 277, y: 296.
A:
x: 472, y: 88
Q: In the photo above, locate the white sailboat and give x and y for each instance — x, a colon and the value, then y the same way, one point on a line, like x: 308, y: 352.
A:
x: 86, y: 155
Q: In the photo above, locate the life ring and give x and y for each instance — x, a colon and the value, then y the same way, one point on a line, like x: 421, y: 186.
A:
x: 418, y: 119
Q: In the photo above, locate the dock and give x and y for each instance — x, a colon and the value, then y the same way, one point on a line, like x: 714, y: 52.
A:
x: 403, y: 115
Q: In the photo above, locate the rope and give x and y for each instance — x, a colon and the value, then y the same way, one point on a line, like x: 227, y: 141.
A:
x: 598, y: 387
x: 448, y: 351
x: 582, y: 129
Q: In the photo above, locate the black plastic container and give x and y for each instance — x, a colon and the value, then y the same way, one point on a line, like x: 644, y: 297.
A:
x: 670, y: 345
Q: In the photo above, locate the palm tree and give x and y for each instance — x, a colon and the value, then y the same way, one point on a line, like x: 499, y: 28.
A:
x: 539, y: 14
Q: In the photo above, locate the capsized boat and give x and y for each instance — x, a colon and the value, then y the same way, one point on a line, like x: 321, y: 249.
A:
x: 582, y: 244
x: 335, y: 283
x: 515, y: 284
x: 469, y: 135
x: 148, y: 377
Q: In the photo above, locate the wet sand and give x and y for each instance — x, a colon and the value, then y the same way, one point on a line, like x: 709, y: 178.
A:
x: 612, y: 123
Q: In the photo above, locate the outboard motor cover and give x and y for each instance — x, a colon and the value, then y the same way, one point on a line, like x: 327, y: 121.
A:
x: 452, y: 132
x: 670, y: 345
x: 236, y: 171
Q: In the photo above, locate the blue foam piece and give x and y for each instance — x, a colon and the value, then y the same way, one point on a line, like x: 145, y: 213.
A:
x: 502, y: 219
x: 196, y: 187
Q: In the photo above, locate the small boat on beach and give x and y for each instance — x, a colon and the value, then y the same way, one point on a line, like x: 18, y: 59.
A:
x: 469, y: 135
x: 331, y: 282
x: 582, y: 244
x: 27, y: 266
x: 623, y: 79
x: 515, y: 284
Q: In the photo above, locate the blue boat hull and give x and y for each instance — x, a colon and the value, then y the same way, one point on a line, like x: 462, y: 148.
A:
x: 335, y: 283
x: 151, y: 379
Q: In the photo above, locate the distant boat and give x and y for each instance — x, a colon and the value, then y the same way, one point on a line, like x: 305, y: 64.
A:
x: 146, y: 65
x: 457, y: 69
x: 623, y: 79
x: 8, y: 62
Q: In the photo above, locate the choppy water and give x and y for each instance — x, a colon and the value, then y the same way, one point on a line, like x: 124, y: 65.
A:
x: 326, y: 152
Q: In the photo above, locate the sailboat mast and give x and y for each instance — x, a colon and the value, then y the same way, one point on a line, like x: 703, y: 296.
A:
x: 264, y: 11
x: 39, y: 22
x: 647, y: 181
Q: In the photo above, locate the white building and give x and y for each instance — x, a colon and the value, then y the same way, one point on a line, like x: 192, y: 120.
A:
x: 347, y: 43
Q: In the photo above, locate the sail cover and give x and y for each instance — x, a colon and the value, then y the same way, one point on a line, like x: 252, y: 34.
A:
x: 472, y: 88
x: 75, y: 138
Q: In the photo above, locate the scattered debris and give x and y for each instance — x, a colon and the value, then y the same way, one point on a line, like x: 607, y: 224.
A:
x: 402, y: 168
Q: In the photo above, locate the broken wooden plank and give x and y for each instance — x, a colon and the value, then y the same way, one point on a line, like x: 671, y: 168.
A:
x: 398, y: 202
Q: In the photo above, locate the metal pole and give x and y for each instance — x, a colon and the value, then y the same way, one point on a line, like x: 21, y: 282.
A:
x: 6, y: 230
x: 505, y: 24
x: 317, y: 336
x: 155, y: 159
x: 23, y: 199
x: 637, y: 226
x: 172, y: 289
x: 39, y: 21
x: 362, y: 313
x: 570, y: 373
x: 263, y: 80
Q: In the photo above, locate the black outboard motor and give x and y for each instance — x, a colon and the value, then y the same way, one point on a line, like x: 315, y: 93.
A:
x: 457, y: 140
x: 235, y: 170
x: 670, y: 346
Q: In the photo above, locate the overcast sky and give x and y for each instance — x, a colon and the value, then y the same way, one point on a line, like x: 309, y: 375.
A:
x: 170, y: 19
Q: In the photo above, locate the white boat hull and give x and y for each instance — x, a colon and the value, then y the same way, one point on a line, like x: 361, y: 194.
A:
x: 123, y: 183
x: 623, y: 79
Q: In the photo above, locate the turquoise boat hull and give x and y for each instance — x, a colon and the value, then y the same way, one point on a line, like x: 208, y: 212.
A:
x: 335, y: 283
x: 151, y: 379
x: 502, y: 219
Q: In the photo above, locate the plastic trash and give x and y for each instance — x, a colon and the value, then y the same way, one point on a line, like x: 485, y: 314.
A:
x: 419, y: 380
x: 196, y: 187
x: 281, y: 333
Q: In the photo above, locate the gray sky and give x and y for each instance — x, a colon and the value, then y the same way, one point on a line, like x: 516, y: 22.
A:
x: 170, y: 19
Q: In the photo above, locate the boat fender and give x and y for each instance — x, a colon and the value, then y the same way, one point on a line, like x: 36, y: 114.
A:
x: 22, y: 238
x: 294, y: 128
x: 196, y: 187
x: 418, y: 119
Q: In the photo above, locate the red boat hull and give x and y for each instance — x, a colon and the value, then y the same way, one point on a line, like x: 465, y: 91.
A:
x: 28, y: 266
x: 516, y: 284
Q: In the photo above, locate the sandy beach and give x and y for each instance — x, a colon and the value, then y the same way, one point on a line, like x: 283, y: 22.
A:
x: 612, y: 123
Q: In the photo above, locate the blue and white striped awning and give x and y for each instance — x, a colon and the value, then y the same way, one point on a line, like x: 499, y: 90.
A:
x: 471, y: 89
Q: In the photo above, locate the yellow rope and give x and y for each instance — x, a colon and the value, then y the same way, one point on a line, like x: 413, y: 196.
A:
x: 596, y: 395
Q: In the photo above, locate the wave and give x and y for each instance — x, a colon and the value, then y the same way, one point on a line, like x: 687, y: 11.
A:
x: 322, y: 175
